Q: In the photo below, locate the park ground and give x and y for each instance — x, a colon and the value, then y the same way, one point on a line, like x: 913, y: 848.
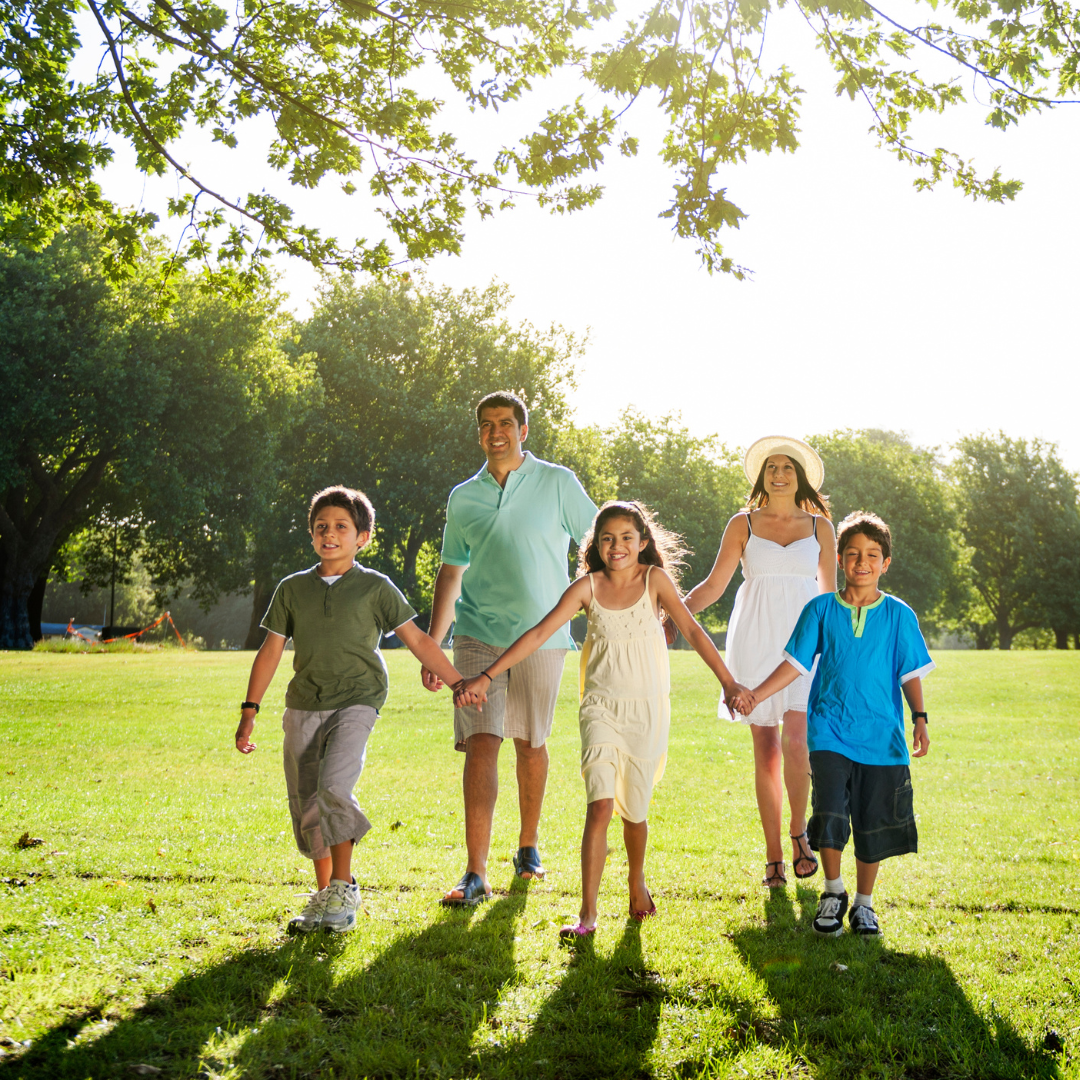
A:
x: 145, y: 936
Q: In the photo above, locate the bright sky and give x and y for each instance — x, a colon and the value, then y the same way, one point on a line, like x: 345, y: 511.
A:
x: 872, y: 305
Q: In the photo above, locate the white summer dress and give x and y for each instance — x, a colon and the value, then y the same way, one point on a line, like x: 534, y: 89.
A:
x: 779, y: 583
x: 625, y: 708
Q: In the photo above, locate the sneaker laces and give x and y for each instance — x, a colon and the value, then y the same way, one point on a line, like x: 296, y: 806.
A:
x: 829, y: 905
x: 336, y: 894
x: 864, y: 916
x: 316, y: 901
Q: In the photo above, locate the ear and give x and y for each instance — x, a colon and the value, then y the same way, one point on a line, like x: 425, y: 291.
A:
x: 362, y: 540
x: 885, y: 564
x: 524, y: 431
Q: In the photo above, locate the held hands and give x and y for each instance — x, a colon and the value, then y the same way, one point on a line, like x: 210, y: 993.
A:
x: 739, y: 699
x: 920, y: 740
x: 244, y: 730
x: 430, y: 680
x: 471, y: 692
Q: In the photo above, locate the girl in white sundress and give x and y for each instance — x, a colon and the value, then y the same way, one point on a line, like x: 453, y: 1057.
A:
x: 624, y: 580
x: 787, y: 547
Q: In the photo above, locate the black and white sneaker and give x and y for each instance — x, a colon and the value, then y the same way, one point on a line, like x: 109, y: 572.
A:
x: 863, y: 921
x: 829, y: 920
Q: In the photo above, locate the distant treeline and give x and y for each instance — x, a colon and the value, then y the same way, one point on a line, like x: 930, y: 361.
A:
x: 186, y: 432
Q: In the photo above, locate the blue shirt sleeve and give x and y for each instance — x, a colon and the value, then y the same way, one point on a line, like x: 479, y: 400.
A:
x: 912, y: 657
x: 455, y: 550
x: 578, y: 510
x: 805, y: 641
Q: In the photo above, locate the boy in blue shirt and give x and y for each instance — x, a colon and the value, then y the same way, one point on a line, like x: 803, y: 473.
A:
x: 870, y: 649
x: 336, y: 614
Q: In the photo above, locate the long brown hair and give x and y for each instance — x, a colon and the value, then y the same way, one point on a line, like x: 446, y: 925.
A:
x: 663, y: 548
x: 806, y: 496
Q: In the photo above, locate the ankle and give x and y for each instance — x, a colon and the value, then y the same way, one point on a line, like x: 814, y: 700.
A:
x: 863, y: 900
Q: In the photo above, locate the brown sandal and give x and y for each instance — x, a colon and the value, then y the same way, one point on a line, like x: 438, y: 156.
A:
x: 775, y: 878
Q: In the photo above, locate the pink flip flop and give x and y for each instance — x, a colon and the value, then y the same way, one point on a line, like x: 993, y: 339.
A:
x: 641, y: 916
x: 575, y: 932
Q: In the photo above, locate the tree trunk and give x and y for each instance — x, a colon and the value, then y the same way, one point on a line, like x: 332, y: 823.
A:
x: 260, y: 601
x: 15, y: 590
x: 1005, y: 634
x: 408, y: 561
x: 1061, y: 638
x: 34, y: 606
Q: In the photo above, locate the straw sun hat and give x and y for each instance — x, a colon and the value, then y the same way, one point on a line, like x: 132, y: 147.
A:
x: 795, y: 449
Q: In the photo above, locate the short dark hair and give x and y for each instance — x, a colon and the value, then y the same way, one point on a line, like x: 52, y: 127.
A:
x: 504, y: 399
x: 356, y: 502
x: 862, y: 521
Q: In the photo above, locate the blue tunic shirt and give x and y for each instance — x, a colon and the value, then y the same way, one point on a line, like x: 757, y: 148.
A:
x: 514, y: 541
x: 867, y: 654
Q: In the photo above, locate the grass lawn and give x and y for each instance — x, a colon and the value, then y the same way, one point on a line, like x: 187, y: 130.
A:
x: 144, y: 936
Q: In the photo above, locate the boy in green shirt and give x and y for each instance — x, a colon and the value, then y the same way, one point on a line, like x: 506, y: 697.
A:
x: 336, y: 614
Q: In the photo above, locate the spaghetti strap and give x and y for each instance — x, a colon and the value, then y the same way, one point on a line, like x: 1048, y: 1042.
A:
x: 592, y: 589
x: 749, y: 531
x: 813, y: 525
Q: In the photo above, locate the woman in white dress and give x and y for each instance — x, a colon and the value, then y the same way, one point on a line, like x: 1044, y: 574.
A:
x: 787, y: 547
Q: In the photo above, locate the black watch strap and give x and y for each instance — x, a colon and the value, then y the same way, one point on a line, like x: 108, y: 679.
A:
x: 250, y: 705
x: 915, y: 716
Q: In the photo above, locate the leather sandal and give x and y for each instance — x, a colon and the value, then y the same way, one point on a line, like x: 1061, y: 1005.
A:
x: 774, y: 878
x: 806, y: 855
x: 527, y: 864
x: 473, y: 891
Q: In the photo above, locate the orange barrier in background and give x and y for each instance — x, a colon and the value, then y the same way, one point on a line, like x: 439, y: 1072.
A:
x: 138, y: 633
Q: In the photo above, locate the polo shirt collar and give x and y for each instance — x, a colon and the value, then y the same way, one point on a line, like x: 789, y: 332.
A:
x: 526, y: 467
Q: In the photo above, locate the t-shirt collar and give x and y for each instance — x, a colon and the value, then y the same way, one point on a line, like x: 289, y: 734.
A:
x: 858, y: 614
x: 315, y: 569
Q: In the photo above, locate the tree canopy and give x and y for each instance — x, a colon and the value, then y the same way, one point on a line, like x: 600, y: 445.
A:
x: 354, y: 95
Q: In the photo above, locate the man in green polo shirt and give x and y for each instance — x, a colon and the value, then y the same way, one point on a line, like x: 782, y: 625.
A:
x: 508, y: 529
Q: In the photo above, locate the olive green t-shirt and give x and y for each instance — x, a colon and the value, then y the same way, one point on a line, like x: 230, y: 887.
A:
x: 336, y: 630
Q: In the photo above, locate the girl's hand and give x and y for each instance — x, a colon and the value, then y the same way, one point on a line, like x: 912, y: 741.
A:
x: 471, y: 692
x: 244, y: 730
x: 740, y: 699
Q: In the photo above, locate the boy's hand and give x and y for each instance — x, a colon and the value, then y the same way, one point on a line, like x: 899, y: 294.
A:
x: 244, y: 730
x: 920, y: 741
x: 740, y: 698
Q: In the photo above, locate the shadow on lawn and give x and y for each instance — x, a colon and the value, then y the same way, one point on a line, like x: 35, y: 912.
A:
x: 884, y: 1013
x: 411, y: 1011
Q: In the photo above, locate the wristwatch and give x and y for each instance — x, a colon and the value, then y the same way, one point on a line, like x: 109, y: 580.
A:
x: 915, y: 716
x: 253, y: 705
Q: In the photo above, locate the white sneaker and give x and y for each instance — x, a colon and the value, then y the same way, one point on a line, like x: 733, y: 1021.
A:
x: 311, y: 918
x: 342, y: 901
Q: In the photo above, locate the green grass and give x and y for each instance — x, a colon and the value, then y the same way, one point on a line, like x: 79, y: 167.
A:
x: 146, y: 929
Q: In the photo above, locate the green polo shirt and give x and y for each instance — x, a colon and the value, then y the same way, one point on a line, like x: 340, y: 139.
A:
x: 514, y: 541
x: 336, y: 630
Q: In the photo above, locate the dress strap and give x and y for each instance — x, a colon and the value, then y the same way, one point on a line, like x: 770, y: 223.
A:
x: 749, y: 531
x: 813, y: 525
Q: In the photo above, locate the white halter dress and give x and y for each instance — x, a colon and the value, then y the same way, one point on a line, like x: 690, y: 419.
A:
x: 779, y: 583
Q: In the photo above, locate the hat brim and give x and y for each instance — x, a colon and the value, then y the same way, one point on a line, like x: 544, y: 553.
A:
x: 795, y: 449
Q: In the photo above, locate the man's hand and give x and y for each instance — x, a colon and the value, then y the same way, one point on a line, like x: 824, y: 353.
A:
x: 671, y: 631
x: 430, y: 680
x: 244, y: 730
x: 920, y: 741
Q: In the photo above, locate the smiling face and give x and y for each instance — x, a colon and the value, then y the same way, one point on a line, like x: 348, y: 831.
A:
x: 620, y: 543
x: 780, y: 477
x: 335, y: 537
x: 501, y: 435
x: 863, y: 561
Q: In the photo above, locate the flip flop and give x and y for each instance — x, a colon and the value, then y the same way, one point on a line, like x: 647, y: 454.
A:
x: 473, y: 891
x: 647, y: 913
x: 527, y: 861
x: 775, y: 879
x: 575, y: 932
x: 804, y: 858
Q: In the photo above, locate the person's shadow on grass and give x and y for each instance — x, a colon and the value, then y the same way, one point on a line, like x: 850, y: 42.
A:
x: 415, y: 1006
x: 856, y: 1006
x: 601, y: 1021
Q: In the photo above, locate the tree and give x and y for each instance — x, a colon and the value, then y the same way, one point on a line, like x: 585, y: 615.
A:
x: 693, y: 484
x: 125, y: 403
x: 906, y: 485
x: 402, y: 365
x: 356, y: 87
x: 1018, y: 515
